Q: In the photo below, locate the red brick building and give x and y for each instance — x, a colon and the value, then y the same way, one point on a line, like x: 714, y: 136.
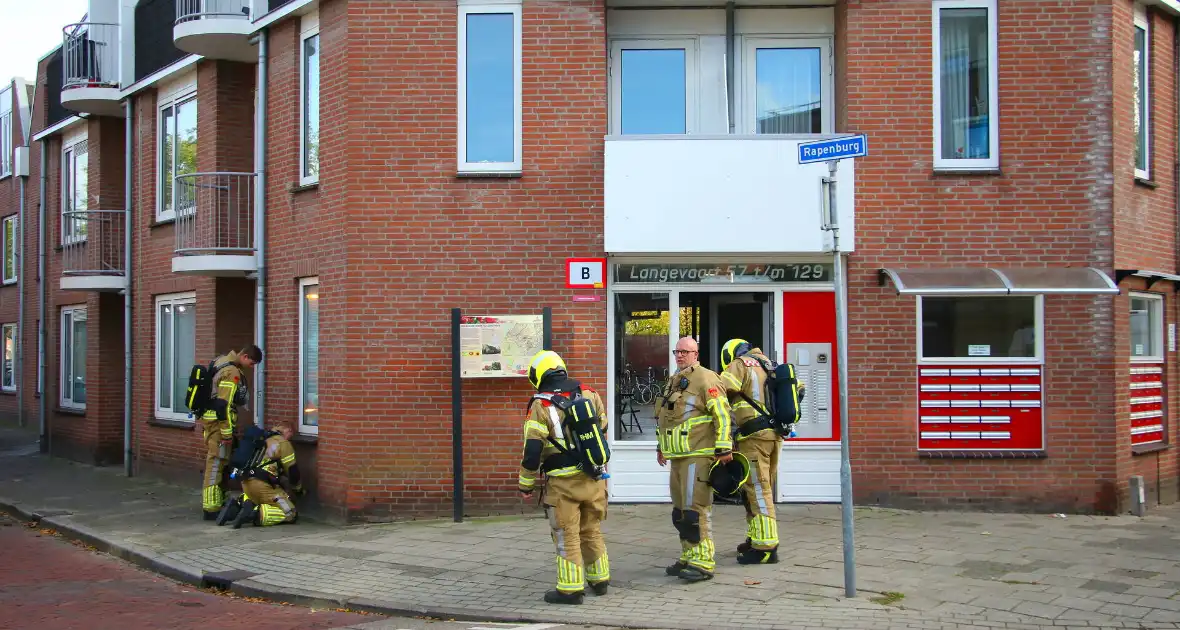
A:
x: 1011, y: 237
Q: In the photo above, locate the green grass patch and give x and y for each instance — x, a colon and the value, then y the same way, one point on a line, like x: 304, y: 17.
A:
x: 887, y: 598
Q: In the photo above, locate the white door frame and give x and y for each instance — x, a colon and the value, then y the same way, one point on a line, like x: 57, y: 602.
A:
x: 768, y: 321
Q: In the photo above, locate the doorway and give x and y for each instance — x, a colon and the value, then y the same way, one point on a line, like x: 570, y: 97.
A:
x: 718, y: 317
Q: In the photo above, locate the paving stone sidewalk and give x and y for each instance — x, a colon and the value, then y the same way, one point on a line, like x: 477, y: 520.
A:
x: 914, y: 569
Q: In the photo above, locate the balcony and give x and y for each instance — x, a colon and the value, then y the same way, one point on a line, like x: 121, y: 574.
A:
x: 90, y: 69
x: 215, y: 225
x: 215, y: 29
x: 715, y: 194
x: 93, y: 250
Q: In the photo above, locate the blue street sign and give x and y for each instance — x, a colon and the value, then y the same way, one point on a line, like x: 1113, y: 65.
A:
x: 835, y: 149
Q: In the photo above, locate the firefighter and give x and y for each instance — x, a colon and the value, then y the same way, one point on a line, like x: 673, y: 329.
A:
x: 229, y: 393
x: 693, y: 426
x: 745, y: 381
x: 575, y: 502
x: 264, y: 502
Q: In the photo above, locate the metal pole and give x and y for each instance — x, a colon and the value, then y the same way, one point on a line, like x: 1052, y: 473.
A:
x: 18, y: 369
x: 842, y: 367
x: 457, y: 414
x: 41, y: 297
x: 128, y: 460
x: 260, y: 225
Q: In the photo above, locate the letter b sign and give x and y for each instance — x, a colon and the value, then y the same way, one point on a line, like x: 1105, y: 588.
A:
x: 585, y: 273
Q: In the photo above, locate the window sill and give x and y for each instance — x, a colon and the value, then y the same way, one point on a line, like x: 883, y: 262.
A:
x: 8, y: 392
x: 982, y: 455
x: 171, y: 424
x: 1146, y: 183
x: 5, y: 176
x: 65, y: 411
x: 489, y: 174
x: 305, y: 438
x: 159, y: 222
x: 943, y: 172
x: 9, y: 283
x: 298, y: 188
x: 1144, y: 449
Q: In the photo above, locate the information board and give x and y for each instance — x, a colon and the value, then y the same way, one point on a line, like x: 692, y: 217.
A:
x: 499, y: 346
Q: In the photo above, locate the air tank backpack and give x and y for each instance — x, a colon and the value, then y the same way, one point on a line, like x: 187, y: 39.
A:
x: 200, y: 387
x: 247, y: 459
x: 585, y: 446
x: 782, y: 410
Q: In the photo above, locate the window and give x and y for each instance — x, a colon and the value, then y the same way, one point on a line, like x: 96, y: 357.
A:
x: 309, y: 355
x: 1147, y: 327
x: 8, y: 379
x: 74, y: 195
x: 176, y: 333
x: 966, y: 105
x: 177, y: 154
x: 653, y: 84
x: 788, y: 86
x: 309, y: 80
x: 980, y: 328
x: 5, y: 143
x: 73, y: 357
x: 10, y: 249
x: 489, y: 87
x: 1142, y: 86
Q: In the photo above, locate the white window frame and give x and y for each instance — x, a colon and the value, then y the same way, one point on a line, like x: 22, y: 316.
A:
x: 746, y: 100
x: 304, y: 428
x: 1141, y: 22
x: 311, y: 28
x: 4, y: 332
x: 181, y: 96
x: 16, y: 236
x: 175, y: 299
x: 66, y: 389
x: 5, y: 143
x: 691, y: 97
x: 69, y: 159
x: 1156, y: 312
x: 1038, y: 327
x: 468, y: 7
x: 993, y: 87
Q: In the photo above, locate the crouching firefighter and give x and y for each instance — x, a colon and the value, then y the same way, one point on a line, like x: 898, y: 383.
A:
x: 564, y: 437
x: 260, y: 460
x: 765, y: 401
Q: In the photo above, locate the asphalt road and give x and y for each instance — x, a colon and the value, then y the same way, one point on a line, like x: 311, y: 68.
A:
x: 50, y: 583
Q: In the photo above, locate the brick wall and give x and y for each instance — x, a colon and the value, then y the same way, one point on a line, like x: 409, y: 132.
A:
x: 1044, y: 209
x: 10, y: 189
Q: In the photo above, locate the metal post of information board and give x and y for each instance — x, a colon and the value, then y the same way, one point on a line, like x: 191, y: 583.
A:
x: 547, y: 326
x: 457, y: 413
x: 833, y: 222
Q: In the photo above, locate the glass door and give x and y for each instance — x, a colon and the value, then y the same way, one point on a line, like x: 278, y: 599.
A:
x: 643, y: 323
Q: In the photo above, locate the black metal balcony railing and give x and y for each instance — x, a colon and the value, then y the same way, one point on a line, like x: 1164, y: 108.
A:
x: 90, y: 55
x: 93, y: 242
x: 188, y: 10
x: 215, y: 214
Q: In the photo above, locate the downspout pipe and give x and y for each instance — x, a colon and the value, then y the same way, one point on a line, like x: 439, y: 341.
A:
x: 730, y: 80
x: 128, y: 454
x: 18, y: 370
x: 42, y: 342
x: 260, y: 226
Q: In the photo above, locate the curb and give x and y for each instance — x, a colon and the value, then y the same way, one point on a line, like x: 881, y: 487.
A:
x: 156, y: 563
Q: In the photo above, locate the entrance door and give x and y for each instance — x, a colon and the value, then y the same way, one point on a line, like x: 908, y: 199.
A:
x: 740, y: 316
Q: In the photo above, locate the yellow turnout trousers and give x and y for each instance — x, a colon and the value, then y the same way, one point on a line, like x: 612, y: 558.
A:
x: 758, y: 491
x: 576, y: 507
x: 692, y: 507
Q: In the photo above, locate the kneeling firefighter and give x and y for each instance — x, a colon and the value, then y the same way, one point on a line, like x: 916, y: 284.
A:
x: 564, y: 437
x: 261, y: 459
x: 746, y: 373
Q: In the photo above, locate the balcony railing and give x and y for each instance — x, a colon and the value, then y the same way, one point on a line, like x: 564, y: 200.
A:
x: 215, y: 214
x: 90, y: 55
x: 93, y: 242
x: 189, y: 10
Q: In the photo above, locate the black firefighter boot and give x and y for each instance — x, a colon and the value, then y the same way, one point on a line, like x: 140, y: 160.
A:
x: 759, y: 556
x: 557, y: 597
x: 600, y: 588
x: 229, y: 511
x: 746, y: 546
x: 248, y: 513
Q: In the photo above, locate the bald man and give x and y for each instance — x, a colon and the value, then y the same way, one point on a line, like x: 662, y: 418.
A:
x: 693, y: 427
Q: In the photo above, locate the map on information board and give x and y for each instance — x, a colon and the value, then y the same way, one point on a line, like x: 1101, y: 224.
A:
x: 499, y: 346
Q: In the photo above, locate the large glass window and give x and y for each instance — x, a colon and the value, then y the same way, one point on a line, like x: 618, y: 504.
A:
x: 309, y: 355
x: 979, y: 327
x: 176, y: 333
x: 642, y: 322
x: 1141, y: 56
x: 10, y: 232
x: 73, y: 357
x: 966, y: 134
x: 178, y: 153
x: 787, y: 81
x: 75, y: 160
x: 309, y: 131
x: 652, y: 93
x: 490, y: 87
x: 1147, y: 327
x: 8, y: 381
x: 5, y: 141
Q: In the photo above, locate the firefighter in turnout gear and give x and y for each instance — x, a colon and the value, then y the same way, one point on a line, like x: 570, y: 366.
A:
x: 264, y: 502
x: 693, y: 427
x: 575, y: 502
x: 229, y: 393
x: 742, y: 374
